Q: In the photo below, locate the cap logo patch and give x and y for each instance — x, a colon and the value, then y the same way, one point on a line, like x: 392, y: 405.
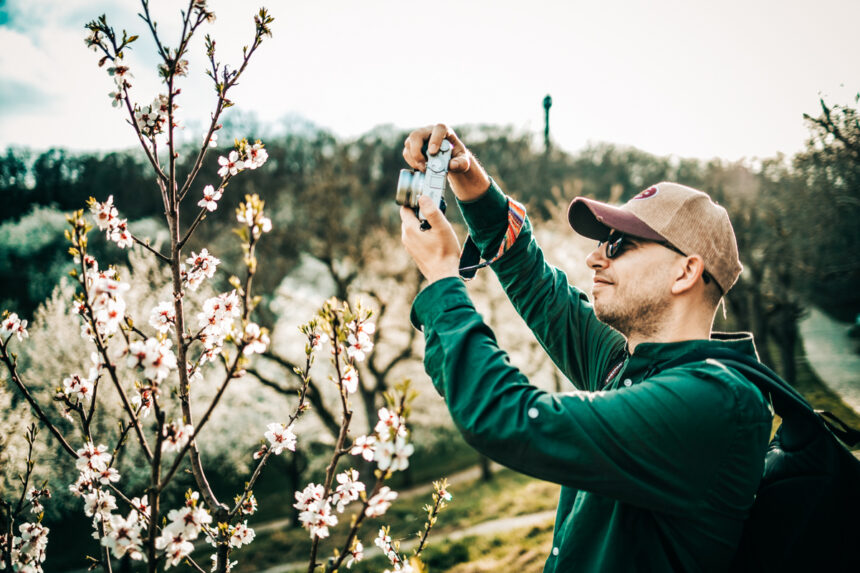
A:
x: 650, y: 192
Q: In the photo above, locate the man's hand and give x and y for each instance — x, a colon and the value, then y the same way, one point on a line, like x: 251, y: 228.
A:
x: 436, y: 251
x: 468, y: 179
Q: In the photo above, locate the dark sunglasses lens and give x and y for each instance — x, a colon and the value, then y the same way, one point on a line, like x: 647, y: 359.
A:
x: 613, y: 245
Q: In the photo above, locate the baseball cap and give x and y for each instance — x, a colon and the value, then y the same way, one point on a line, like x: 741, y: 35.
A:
x: 685, y: 217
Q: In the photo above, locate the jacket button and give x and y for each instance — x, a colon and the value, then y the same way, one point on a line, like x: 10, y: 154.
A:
x: 555, y: 550
x: 533, y: 413
x: 628, y: 382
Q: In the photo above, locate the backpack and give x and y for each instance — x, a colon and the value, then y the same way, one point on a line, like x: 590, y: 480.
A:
x: 806, y: 513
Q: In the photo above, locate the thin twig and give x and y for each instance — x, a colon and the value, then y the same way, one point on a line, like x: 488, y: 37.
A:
x: 146, y: 246
x: 16, y: 378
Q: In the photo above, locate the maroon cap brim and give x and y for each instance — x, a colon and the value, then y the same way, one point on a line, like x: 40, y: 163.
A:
x: 593, y: 219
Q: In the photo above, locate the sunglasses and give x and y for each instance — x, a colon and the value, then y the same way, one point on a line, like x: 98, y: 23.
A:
x: 617, y: 242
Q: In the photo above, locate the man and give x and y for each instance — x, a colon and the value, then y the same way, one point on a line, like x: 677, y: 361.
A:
x: 659, y: 467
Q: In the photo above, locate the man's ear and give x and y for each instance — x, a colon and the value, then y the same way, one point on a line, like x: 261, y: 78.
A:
x: 687, y: 273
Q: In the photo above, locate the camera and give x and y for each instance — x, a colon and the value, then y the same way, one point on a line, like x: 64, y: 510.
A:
x: 413, y: 184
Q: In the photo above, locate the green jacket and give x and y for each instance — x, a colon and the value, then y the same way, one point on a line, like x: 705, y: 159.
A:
x: 658, y: 472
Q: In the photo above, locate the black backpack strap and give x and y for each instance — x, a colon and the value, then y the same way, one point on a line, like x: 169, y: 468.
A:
x: 840, y: 429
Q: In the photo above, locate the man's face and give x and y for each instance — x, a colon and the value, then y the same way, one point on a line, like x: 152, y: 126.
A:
x: 631, y: 291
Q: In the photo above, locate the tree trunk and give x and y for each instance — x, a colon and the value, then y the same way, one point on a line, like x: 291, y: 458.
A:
x: 486, y: 469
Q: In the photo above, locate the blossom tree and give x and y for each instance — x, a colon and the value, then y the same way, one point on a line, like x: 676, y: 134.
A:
x: 153, y: 363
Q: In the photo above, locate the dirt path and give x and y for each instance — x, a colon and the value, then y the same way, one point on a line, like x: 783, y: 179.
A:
x: 829, y: 351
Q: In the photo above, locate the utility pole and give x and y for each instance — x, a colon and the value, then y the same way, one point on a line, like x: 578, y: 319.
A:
x: 547, y: 103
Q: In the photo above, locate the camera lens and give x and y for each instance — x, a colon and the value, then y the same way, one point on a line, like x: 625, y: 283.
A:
x: 409, y: 187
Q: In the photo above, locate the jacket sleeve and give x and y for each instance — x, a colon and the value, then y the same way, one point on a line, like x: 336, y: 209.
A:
x: 559, y: 314
x: 657, y: 444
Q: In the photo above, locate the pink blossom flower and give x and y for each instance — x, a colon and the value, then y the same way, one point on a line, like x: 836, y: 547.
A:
x: 116, y: 97
x: 34, y: 497
x: 78, y: 388
x: 256, y: 339
x: 393, y: 455
x: 312, y: 493
x: 141, y: 505
x: 364, y: 446
x: 249, y: 505
x: 108, y: 475
x: 359, y: 346
x: 202, y: 266
x: 13, y: 325
x: 383, y: 541
x: 389, y: 423
x: 104, y: 213
x: 231, y: 164
x: 28, y: 549
x: 257, y: 156
x: 241, y: 534
x: 317, y: 518
x: 120, y: 234
x: 163, y: 316
x: 350, y: 379
x: 99, y: 504
x: 176, y: 436
x: 143, y: 401
x: 355, y: 554
x: 122, y: 536
x: 210, y: 197
x: 367, y: 328
x: 93, y: 458
x: 154, y: 356
x: 379, y: 504
x: 348, y: 490
x: 281, y: 437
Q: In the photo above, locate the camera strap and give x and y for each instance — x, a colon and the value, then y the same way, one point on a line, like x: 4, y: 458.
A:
x: 470, y: 257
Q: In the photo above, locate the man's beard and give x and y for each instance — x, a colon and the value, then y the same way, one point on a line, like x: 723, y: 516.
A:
x: 642, y: 314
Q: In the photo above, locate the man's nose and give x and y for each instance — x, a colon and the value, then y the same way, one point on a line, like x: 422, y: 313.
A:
x: 596, y: 259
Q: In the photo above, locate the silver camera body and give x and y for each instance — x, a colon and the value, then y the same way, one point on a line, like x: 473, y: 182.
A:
x: 413, y: 184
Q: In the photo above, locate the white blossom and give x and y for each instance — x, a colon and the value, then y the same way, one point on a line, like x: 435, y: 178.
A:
x: 393, y: 455
x: 355, y: 554
x: 365, y: 447
x: 256, y: 339
x: 281, y: 437
x: 317, y: 518
x: 154, y: 356
x: 13, y: 325
x: 122, y: 536
x: 348, y: 489
x: 389, y: 423
x: 99, y: 504
x: 176, y: 436
x: 257, y: 156
x: 231, y: 164
x: 28, y: 549
x: 379, y: 504
x: 210, y: 197
x: 163, y: 316
x: 79, y: 388
x: 350, y: 379
x: 359, y: 346
x: 201, y: 266
x: 241, y: 534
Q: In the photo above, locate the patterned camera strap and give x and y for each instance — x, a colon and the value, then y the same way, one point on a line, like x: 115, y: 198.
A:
x: 471, y: 256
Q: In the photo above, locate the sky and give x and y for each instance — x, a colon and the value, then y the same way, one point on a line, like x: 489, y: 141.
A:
x: 688, y: 78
